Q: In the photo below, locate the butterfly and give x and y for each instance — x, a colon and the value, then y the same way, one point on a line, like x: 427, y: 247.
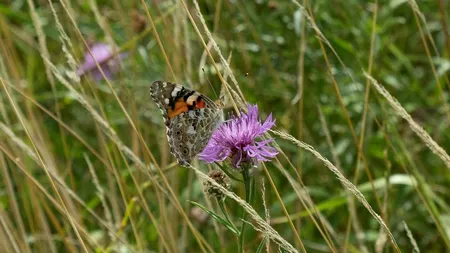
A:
x: 190, y: 118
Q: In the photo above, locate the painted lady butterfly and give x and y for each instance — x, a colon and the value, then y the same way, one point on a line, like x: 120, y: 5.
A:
x: 190, y: 118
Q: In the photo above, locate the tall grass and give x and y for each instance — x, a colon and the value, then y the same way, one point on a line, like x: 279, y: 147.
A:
x: 85, y: 164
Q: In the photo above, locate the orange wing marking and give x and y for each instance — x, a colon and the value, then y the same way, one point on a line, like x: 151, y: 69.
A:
x: 184, y: 106
x: 200, y: 104
x: 180, y: 107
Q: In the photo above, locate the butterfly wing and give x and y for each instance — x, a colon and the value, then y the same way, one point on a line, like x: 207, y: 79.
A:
x: 190, y: 118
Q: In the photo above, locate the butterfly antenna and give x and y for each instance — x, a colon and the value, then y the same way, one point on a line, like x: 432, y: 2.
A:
x: 210, y: 84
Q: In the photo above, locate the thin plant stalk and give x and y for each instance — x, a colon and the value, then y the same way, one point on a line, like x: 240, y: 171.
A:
x: 249, y: 184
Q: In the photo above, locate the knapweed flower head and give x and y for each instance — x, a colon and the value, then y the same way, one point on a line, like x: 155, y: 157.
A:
x: 239, y: 139
x: 222, y: 179
x: 103, y: 54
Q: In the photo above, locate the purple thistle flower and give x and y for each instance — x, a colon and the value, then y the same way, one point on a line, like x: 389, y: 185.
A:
x: 237, y: 139
x: 103, y: 54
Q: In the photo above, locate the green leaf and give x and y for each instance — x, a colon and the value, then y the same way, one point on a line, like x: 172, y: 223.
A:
x: 226, y: 170
x: 217, y: 218
x: 261, y: 245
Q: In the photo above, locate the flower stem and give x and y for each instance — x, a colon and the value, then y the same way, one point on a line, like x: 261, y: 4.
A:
x: 249, y: 185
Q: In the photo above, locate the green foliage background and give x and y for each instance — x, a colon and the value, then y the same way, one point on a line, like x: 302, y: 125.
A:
x: 124, y: 209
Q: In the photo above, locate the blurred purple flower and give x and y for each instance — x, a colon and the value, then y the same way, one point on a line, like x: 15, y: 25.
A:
x: 103, y: 54
x: 236, y: 139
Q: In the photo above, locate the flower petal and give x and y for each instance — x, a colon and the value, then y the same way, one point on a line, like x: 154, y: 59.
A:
x: 261, y: 151
x: 268, y: 124
x: 214, y: 151
x: 102, y: 53
x: 236, y: 137
x: 237, y: 159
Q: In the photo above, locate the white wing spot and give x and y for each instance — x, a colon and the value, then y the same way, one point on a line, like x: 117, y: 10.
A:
x: 164, y: 84
x: 191, y: 130
x: 175, y: 91
x: 191, y: 99
x: 166, y: 101
x: 192, y: 114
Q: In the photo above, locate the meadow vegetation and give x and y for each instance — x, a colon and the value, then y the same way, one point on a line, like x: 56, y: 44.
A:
x: 359, y: 92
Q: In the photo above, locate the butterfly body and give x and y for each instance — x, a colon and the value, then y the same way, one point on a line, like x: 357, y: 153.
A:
x: 190, y: 118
